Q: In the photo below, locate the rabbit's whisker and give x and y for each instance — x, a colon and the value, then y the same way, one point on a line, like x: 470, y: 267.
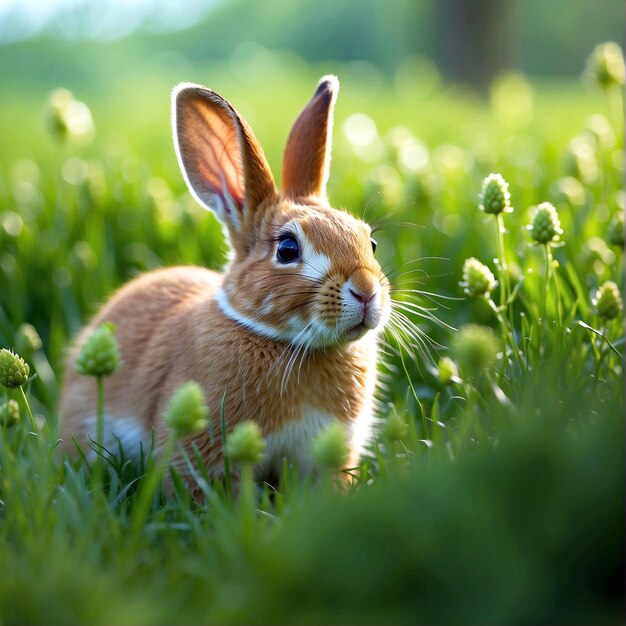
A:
x: 299, y: 342
x: 429, y: 294
x: 380, y: 225
x: 420, y: 311
x: 412, y: 337
x: 407, y: 344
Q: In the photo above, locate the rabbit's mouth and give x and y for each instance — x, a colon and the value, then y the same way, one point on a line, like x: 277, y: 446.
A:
x: 371, y: 318
x: 357, y: 331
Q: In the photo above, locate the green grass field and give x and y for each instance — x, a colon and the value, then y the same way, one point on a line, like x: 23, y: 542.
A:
x: 493, y: 497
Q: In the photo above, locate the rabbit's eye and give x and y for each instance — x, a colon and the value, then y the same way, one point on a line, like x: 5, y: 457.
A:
x: 374, y: 244
x: 288, y: 250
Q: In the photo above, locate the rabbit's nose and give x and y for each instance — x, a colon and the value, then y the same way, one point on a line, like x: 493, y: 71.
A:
x: 363, y: 286
x: 364, y: 298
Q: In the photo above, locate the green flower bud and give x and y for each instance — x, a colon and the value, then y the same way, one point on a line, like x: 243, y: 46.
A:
x: 100, y: 353
x: 447, y: 370
x: 608, y: 301
x: 245, y: 444
x: 330, y: 448
x: 580, y: 159
x: 69, y: 118
x: 545, y: 226
x: 605, y: 65
x: 474, y: 347
x: 13, y: 369
x: 494, y: 196
x: 187, y: 411
x: 27, y: 340
x: 569, y: 189
x: 477, y: 278
x: 599, y: 128
x: 615, y: 231
x: 396, y: 429
x: 9, y: 413
x: 57, y: 102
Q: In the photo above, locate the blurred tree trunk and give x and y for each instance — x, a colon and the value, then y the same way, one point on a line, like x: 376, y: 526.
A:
x: 477, y: 39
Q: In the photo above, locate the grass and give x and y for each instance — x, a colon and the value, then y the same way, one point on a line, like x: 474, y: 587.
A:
x: 492, y: 497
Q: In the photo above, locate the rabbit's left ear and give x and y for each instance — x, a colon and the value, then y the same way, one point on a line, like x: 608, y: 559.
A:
x: 307, y: 156
x: 221, y: 159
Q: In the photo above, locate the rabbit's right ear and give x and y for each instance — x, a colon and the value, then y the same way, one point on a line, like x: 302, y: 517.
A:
x: 307, y: 155
x: 221, y: 159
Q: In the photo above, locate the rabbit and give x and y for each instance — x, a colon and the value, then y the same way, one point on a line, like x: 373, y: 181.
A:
x: 287, y: 336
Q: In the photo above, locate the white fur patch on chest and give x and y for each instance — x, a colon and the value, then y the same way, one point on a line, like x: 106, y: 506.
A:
x: 293, y: 443
x: 125, y: 431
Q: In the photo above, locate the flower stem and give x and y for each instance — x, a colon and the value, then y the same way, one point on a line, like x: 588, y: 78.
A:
x: 615, y: 108
x: 599, y: 353
x: 99, y: 448
x: 504, y: 270
x: 246, y: 502
x: 552, y: 275
x: 507, y: 334
x: 30, y: 413
x: 505, y: 316
x: 100, y: 423
x: 544, y: 300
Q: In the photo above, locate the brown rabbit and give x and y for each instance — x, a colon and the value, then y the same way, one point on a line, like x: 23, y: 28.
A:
x: 287, y: 335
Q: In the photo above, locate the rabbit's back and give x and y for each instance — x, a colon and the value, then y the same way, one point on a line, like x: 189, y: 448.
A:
x: 151, y: 315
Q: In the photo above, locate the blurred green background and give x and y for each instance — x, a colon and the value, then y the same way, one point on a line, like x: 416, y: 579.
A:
x: 500, y: 497
x: 415, y: 129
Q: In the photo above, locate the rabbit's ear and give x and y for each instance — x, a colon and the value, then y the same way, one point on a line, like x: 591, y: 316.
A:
x: 307, y: 156
x: 221, y: 159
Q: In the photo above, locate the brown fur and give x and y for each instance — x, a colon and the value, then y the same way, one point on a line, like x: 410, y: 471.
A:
x: 171, y: 329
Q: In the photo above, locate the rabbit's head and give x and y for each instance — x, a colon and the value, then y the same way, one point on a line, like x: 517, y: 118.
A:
x: 302, y: 271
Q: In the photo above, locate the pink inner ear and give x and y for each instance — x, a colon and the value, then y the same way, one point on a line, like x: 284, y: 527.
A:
x: 212, y: 155
x: 220, y: 158
x: 222, y: 149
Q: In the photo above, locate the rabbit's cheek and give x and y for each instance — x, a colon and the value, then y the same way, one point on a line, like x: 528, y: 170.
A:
x: 267, y: 305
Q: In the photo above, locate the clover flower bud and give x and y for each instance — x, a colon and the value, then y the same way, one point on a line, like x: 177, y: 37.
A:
x: 494, y: 196
x: 615, y: 231
x: 396, y: 429
x: 599, y: 129
x: 69, y: 118
x: 569, y: 189
x: 100, y: 353
x: 608, y: 301
x: 447, y: 370
x: 13, y: 369
x: 245, y: 444
x: 27, y: 339
x: 330, y: 448
x: 477, y: 278
x: 187, y: 412
x: 474, y: 347
x: 545, y: 226
x: 57, y: 102
x: 9, y: 413
x: 605, y: 65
